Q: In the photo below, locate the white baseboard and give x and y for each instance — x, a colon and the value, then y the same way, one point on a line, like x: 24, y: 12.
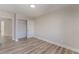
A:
x: 64, y: 46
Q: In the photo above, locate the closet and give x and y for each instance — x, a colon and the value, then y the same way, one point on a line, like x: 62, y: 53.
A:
x: 21, y: 29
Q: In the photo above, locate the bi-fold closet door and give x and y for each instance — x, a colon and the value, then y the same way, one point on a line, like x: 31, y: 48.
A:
x: 21, y: 28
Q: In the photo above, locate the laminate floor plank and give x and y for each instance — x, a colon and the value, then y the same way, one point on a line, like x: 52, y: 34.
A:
x: 32, y: 46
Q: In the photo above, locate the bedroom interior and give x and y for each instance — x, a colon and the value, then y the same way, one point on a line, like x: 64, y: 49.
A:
x: 39, y: 29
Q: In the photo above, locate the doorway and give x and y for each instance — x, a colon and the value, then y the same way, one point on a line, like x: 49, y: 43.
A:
x: 5, y: 30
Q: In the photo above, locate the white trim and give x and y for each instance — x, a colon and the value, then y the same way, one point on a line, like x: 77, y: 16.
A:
x: 64, y: 46
x: 2, y: 27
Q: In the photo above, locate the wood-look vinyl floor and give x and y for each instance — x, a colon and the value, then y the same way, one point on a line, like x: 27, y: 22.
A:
x: 32, y: 46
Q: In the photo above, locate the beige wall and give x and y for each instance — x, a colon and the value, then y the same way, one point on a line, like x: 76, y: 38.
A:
x: 60, y: 26
x: 7, y: 15
x: 0, y: 27
x: 7, y: 27
x: 50, y: 27
x: 30, y: 28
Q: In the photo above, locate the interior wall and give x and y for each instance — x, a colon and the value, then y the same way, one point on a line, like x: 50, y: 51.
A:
x: 50, y: 27
x: 30, y: 28
x: 7, y: 15
x: 0, y: 27
x: 60, y: 26
x: 7, y: 27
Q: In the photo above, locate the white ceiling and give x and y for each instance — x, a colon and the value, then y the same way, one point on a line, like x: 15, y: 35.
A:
x: 25, y: 9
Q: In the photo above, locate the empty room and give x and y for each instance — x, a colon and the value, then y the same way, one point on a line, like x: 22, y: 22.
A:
x: 39, y: 29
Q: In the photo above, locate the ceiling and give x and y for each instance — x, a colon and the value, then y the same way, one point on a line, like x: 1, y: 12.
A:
x: 25, y: 9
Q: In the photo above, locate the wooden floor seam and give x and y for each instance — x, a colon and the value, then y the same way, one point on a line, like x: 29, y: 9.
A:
x: 32, y: 46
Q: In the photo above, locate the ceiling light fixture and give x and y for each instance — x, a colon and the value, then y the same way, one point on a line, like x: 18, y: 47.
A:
x: 32, y: 6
